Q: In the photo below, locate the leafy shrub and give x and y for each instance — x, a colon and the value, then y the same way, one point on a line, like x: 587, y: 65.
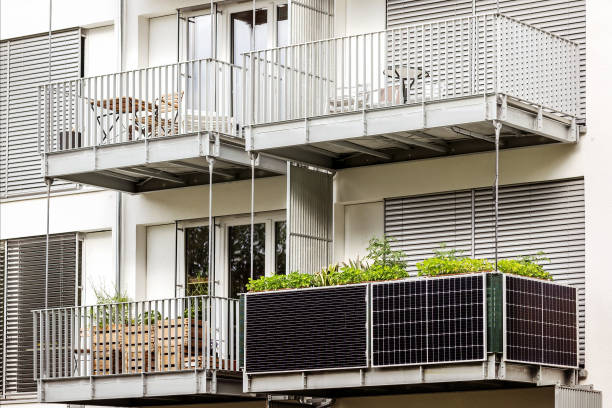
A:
x: 450, y: 261
x: 526, y: 266
x: 384, y: 264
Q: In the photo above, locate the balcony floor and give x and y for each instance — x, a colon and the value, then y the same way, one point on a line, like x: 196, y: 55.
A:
x: 411, y: 379
x: 159, y: 163
x: 408, y: 132
x: 169, y: 388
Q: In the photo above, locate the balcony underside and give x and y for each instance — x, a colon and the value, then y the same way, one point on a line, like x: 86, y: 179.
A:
x: 160, y: 163
x: 186, y: 387
x: 411, y: 379
x: 408, y: 132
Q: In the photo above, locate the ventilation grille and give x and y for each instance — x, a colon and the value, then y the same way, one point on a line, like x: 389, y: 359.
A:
x: 428, y: 321
x: 541, y: 322
x: 309, y: 329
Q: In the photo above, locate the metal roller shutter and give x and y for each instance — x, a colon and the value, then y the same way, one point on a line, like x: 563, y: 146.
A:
x: 24, y: 66
x: 25, y: 288
x: 309, y: 219
x: 546, y: 217
x: 566, y: 18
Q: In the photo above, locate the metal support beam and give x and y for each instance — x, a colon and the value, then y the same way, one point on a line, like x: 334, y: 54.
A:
x: 320, y: 151
x: 158, y: 174
x: 475, y: 135
x: 201, y: 169
x: 120, y: 176
x: 405, y: 138
x: 362, y: 149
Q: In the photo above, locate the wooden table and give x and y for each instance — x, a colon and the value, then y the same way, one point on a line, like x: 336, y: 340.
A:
x: 118, y: 106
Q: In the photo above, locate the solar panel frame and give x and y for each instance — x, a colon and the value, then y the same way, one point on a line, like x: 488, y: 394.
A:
x: 309, y: 289
x: 505, y: 354
x: 426, y: 281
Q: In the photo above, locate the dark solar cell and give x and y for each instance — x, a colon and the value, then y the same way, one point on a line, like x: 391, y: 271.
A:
x: 428, y: 321
x: 540, y: 322
x: 306, y: 329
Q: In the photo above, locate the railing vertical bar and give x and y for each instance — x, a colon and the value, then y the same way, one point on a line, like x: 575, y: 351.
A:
x: 208, y: 334
x: 200, y: 89
x: 181, y: 303
x: 35, y: 343
x: 70, y: 332
x: 159, y: 349
x: 142, y: 359
x: 190, y: 323
x: 200, y: 321
x: 120, y: 101
x: 179, y: 95
x: 230, y: 333
x: 77, y: 336
x: 104, y: 337
x: 150, y: 336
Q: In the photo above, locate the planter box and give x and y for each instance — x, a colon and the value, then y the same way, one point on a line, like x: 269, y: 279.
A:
x: 133, y: 348
x: 420, y: 321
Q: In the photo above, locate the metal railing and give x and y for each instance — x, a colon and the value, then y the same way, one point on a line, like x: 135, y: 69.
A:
x: 168, y: 100
x: 420, y: 63
x: 178, y: 334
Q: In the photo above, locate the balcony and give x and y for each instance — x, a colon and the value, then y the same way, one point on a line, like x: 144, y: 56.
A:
x: 414, y: 92
x: 479, y: 331
x: 148, y: 129
x: 148, y: 352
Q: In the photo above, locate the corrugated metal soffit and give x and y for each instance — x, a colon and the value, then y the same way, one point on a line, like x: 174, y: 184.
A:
x: 309, y: 218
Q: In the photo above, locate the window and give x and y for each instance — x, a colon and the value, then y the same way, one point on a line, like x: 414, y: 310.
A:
x: 239, y: 256
x: 196, y: 261
x: 243, y: 33
x: 282, y: 26
x: 280, y: 247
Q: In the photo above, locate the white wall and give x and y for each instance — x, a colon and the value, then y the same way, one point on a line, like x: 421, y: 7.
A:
x: 598, y: 200
x: 100, y: 51
x: 98, y: 268
x: 361, y: 222
x: 359, y: 16
x: 160, y: 261
x: 26, y: 17
x: 162, y: 41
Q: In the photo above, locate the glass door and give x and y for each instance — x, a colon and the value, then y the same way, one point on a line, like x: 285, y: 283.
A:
x: 239, y: 256
x: 196, y: 261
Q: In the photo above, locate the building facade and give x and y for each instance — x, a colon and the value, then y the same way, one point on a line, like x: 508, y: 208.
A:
x: 168, y: 151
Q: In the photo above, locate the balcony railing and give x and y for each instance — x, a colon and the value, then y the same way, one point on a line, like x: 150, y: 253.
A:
x: 168, y: 100
x: 152, y: 336
x: 436, y: 61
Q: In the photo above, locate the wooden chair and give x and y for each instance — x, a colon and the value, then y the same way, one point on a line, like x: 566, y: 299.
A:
x: 165, y: 121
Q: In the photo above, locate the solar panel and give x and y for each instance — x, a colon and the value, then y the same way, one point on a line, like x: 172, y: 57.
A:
x: 541, y: 325
x: 428, y: 321
x: 310, y: 329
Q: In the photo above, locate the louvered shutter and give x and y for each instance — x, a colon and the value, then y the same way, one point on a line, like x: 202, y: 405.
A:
x: 25, y: 66
x: 566, y: 18
x: 26, y: 292
x: 309, y: 219
x: 546, y: 217
x: 418, y: 225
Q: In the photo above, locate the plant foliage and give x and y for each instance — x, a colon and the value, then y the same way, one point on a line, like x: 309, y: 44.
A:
x: 381, y: 263
x: 450, y: 262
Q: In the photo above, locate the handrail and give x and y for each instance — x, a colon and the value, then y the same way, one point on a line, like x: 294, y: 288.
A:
x: 416, y: 63
x: 138, y: 105
x: 162, y: 335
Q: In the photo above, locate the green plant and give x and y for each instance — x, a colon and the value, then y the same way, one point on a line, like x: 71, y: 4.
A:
x: 530, y: 265
x: 450, y: 261
x: 327, y: 276
x: 381, y: 253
